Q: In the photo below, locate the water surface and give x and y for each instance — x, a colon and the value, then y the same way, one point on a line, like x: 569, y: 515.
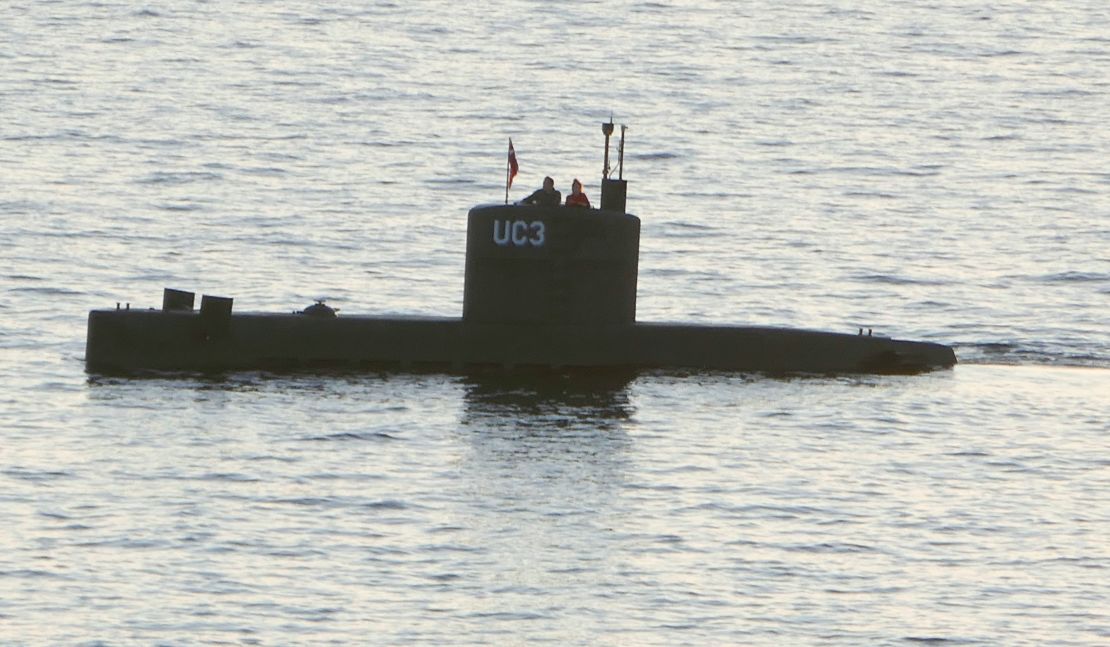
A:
x: 932, y: 171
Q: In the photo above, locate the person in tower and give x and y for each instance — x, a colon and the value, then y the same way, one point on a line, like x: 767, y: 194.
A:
x: 576, y: 197
x: 545, y: 197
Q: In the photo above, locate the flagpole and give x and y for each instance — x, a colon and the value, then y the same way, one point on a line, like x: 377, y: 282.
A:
x: 507, y: 170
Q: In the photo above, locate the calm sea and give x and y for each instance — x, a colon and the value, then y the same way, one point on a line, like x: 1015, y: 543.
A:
x: 931, y: 170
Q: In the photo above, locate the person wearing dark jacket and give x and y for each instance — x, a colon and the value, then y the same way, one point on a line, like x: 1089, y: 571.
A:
x: 545, y: 197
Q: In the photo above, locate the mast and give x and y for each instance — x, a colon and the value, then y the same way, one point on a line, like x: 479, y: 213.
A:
x: 613, y: 192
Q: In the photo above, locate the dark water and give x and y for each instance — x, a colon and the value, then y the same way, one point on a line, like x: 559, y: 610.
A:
x: 930, y: 170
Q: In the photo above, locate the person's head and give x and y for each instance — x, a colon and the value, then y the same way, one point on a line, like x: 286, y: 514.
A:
x: 576, y: 186
x: 548, y: 184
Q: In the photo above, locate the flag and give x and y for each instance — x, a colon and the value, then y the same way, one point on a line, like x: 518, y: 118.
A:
x: 513, y: 166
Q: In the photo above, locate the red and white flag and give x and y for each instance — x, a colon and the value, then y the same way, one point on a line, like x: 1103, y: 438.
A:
x: 513, y: 166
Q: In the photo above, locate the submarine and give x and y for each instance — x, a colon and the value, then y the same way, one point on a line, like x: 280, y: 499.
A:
x: 545, y: 287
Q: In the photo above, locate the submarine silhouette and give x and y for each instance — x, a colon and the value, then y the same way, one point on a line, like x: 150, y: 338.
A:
x: 545, y: 288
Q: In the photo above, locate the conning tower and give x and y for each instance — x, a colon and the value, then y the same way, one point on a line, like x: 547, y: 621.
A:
x: 554, y: 265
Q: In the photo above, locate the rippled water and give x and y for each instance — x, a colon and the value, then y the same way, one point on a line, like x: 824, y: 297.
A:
x: 930, y: 170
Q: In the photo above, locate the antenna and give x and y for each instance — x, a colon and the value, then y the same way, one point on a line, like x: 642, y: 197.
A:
x: 620, y: 155
x: 607, y: 130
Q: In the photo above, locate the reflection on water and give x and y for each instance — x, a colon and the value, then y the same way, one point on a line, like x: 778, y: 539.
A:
x: 539, y: 433
x: 548, y: 401
x: 544, y: 471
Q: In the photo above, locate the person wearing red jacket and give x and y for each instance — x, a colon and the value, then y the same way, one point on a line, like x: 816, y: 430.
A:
x: 576, y: 198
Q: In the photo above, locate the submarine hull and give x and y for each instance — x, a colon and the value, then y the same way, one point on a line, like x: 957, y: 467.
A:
x: 136, y: 340
x: 545, y: 287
